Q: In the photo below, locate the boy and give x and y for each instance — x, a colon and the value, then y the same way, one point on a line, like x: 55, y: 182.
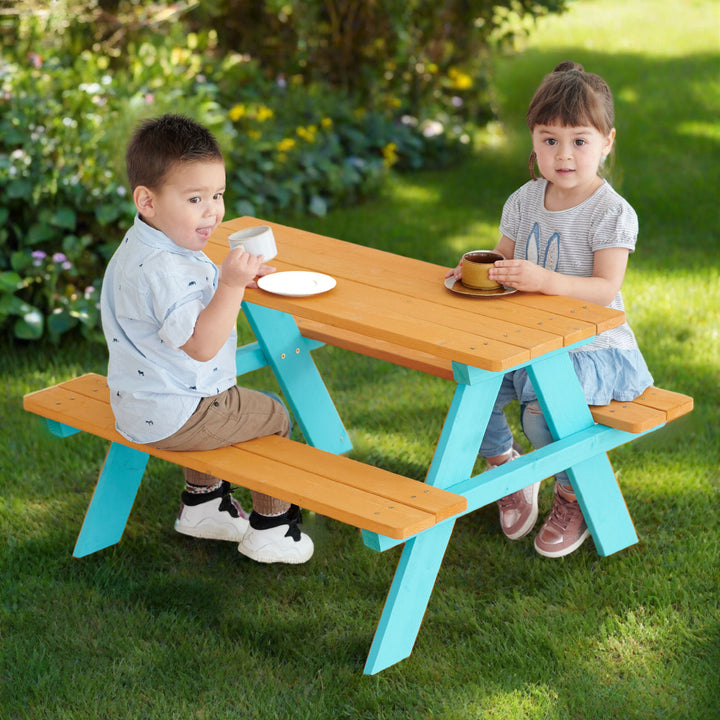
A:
x: 169, y: 320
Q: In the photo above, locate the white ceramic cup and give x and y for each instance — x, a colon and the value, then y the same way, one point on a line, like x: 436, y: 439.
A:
x: 258, y: 240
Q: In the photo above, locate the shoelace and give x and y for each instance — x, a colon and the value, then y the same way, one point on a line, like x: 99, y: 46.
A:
x: 294, y: 516
x: 509, y: 502
x: 562, y: 513
x: 227, y: 504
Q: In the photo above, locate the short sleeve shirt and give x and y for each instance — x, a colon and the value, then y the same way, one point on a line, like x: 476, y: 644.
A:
x: 152, y: 294
x: 565, y: 241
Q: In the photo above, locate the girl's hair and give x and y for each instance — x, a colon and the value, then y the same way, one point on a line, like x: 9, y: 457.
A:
x: 573, y: 98
x: 158, y: 144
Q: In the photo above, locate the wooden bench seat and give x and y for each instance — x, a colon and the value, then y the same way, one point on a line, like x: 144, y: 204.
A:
x: 333, y: 485
x: 652, y: 409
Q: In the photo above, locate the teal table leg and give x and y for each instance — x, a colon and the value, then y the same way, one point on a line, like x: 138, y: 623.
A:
x: 408, y: 598
x: 464, y: 428
x: 422, y: 555
x: 593, y: 479
x: 112, y: 500
x: 289, y: 358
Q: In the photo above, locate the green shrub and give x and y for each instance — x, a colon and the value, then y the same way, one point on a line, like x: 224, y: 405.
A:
x: 64, y: 122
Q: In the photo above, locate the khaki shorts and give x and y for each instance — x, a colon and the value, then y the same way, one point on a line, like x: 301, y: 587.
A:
x: 233, y: 416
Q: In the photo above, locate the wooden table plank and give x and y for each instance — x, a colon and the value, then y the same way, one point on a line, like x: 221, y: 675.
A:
x: 298, y: 249
x: 403, y: 301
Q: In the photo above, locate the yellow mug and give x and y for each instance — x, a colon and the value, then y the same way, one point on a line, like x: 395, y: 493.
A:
x: 475, y: 266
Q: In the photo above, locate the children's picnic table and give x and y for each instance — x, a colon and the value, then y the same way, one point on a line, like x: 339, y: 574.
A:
x: 399, y: 309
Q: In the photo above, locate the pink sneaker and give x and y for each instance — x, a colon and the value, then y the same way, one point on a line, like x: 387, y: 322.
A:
x: 519, y: 510
x: 564, y: 529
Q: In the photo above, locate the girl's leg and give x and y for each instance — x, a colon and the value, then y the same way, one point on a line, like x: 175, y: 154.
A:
x: 519, y: 510
x: 564, y: 529
x: 498, y: 439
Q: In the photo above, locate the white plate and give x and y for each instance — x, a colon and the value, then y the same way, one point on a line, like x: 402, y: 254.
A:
x: 296, y: 283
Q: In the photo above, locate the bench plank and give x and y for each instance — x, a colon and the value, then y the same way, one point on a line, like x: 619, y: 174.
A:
x: 336, y: 486
x: 655, y: 407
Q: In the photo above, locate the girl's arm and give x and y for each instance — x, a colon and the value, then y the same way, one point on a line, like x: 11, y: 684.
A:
x: 609, y: 267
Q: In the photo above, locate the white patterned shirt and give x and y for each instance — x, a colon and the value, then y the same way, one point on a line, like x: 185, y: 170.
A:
x: 152, y: 294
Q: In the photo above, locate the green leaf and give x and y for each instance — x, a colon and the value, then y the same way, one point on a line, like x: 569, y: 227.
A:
x: 60, y: 322
x: 65, y: 217
x: 317, y: 206
x: 107, y: 213
x: 29, y: 326
x: 9, y: 281
x: 40, y: 232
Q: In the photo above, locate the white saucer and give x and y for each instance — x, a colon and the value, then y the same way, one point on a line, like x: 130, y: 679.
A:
x: 296, y: 283
x: 459, y: 289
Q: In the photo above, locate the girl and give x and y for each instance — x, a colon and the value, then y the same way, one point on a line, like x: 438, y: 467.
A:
x: 568, y: 233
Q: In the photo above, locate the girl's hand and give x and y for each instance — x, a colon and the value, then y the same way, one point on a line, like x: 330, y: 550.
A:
x: 521, y: 275
x: 456, y: 272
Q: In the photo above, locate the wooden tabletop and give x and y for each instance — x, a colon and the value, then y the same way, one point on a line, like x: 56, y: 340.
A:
x: 401, y: 300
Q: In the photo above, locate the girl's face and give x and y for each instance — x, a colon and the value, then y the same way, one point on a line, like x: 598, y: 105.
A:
x: 189, y: 205
x: 569, y: 157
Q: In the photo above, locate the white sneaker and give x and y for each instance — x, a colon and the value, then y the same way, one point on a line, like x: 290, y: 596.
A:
x: 277, y: 539
x: 214, y: 516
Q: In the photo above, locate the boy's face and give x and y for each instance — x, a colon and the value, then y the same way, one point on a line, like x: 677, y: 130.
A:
x: 189, y: 205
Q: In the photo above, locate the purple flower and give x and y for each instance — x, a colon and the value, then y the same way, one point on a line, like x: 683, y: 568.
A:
x: 38, y: 256
x: 59, y: 257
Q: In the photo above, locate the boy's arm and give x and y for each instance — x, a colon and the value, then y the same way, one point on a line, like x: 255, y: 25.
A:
x: 217, y: 320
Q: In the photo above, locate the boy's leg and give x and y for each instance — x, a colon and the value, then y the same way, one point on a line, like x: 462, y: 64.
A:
x: 236, y: 415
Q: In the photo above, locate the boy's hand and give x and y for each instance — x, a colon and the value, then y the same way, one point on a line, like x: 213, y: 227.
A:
x: 239, y: 268
x: 262, y: 270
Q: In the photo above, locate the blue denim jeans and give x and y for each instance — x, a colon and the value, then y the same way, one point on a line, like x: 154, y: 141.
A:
x: 498, y: 438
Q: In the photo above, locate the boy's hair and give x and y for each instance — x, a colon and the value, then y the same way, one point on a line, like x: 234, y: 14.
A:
x: 160, y: 143
x: 574, y: 98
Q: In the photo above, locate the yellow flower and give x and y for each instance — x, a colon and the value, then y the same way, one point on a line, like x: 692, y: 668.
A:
x: 308, y: 133
x: 459, y: 80
x: 326, y: 123
x: 264, y: 113
x: 390, y: 156
x: 236, y: 112
x: 285, y: 145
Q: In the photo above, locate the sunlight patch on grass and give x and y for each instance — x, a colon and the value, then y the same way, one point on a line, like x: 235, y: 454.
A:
x: 596, y: 27
x: 416, y: 194
x: 529, y: 701
x: 711, y: 131
x: 478, y: 236
x: 640, y: 646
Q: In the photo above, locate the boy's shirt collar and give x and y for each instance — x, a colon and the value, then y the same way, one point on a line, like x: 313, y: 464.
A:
x: 148, y: 235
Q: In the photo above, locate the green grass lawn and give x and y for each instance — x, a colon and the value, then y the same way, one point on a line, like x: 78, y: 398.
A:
x: 161, y: 626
